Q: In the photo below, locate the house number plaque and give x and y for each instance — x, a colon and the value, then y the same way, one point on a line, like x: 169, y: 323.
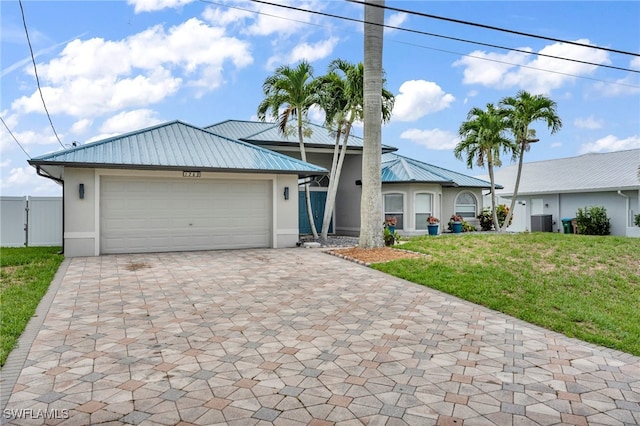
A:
x: 191, y: 174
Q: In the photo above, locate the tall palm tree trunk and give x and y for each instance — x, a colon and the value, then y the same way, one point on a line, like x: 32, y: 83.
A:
x: 307, y: 192
x: 515, y: 188
x: 371, y: 214
x: 332, y: 191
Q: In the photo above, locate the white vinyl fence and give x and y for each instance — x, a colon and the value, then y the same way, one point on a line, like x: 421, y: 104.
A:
x: 30, y: 221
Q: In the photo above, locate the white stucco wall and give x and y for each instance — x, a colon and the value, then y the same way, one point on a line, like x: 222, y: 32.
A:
x: 561, y: 206
x: 82, y: 216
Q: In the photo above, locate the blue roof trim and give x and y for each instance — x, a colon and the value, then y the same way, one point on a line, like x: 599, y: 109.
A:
x: 177, y: 144
x: 399, y: 169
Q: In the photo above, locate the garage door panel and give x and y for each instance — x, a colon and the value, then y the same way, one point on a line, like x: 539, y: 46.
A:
x: 145, y: 215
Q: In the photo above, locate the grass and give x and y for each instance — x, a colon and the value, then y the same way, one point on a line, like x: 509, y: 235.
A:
x: 582, y: 286
x: 25, y: 276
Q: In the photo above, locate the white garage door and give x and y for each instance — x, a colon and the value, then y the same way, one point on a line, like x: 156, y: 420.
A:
x: 139, y: 215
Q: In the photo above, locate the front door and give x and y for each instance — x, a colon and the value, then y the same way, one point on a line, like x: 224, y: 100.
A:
x: 318, y: 200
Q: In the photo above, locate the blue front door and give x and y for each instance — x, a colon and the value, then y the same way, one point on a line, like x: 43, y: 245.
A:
x: 318, y: 199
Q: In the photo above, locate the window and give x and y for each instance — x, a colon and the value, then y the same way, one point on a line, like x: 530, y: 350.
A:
x: 394, y: 206
x: 466, y: 205
x: 424, y: 209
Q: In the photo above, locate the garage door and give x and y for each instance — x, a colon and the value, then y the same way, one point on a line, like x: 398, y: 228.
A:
x: 139, y: 215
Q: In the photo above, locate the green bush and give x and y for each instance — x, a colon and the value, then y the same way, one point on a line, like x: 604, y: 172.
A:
x: 390, y: 238
x: 637, y: 220
x: 593, y: 221
x: 486, y: 217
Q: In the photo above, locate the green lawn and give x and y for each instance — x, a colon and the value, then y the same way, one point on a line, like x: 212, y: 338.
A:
x: 582, y: 286
x: 25, y: 276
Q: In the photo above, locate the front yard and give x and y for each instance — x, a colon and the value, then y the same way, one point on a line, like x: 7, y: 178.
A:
x: 25, y: 276
x: 582, y: 286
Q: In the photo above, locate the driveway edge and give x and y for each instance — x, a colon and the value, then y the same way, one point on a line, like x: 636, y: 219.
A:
x: 18, y: 356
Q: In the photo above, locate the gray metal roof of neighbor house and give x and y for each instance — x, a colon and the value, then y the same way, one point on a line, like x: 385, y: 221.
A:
x: 177, y: 145
x: 585, y: 173
x: 262, y: 133
x: 399, y: 169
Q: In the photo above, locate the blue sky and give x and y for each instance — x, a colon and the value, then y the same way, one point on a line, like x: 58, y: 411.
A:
x: 107, y: 68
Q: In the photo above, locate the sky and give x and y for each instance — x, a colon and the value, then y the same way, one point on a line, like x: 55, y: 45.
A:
x: 110, y: 67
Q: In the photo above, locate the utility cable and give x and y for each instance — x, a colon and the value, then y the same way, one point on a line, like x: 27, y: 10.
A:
x: 14, y: 138
x: 446, y: 37
x: 489, y: 27
x: 35, y: 70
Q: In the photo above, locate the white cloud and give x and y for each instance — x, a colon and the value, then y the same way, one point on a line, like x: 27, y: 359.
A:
x: 130, y: 120
x: 635, y: 63
x: 279, y: 20
x: 611, y: 143
x: 25, y: 181
x: 312, y: 52
x: 81, y: 126
x: 502, y: 71
x: 395, y: 20
x: 590, y: 123
x: 98, y: 76
x: 626, y: 86
x: 225, y: 16
x: 418, y: 98
x: 432, y: 139
x: 155, y: 5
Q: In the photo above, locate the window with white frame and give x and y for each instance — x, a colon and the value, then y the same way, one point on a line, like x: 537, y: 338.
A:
x: 394, y: 206
x: 466, y: 205
x: 424, y: 209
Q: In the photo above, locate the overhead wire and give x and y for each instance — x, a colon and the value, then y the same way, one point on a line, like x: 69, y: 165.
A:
x: 490, y: 27
x: 443, y: 36
x: 35, y: 70
x: 15, y: 139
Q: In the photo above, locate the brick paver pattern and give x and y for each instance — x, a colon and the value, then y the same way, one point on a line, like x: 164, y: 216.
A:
x: 297, y: 336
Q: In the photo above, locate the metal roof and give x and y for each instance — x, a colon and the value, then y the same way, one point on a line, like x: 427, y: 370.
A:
x: 262, y: 133
x: 584, y: 173
x: 177, y: 145
x: 399, y: 169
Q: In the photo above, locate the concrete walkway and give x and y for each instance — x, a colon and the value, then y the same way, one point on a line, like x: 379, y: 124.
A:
x: 296, y: 336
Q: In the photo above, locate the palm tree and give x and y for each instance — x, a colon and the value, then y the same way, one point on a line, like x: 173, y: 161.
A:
x: 521, y: 111
x: 293, y: 90
x: 483, y: 137
x: 342, y: 98
x: 371, y: 201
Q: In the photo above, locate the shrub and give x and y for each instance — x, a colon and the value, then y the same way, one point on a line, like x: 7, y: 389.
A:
x: 637, y: 220
x: 390, y: 238
x: 593, y: 221
x: 486, y: 217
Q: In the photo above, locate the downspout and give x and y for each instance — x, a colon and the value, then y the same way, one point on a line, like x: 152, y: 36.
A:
x: 628, y: 222
x: 42, y: 173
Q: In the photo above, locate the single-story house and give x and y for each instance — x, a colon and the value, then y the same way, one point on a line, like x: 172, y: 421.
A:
x: 412, y: 190
x: 552, y: 190
x: 235, y: 184
x: 175, y: 187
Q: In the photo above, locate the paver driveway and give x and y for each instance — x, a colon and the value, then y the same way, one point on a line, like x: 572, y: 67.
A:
x: 297, y: 336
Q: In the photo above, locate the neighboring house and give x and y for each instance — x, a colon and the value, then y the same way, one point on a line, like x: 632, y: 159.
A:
x: 412, y: 190
x: 174, y: 187
x: 558, y: 188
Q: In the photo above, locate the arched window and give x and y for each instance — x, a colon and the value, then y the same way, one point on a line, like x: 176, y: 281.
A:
x: 466, y: 205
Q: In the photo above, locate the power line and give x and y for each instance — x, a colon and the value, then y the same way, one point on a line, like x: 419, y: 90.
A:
x: 35, y: 70
x: 489, y: 27
x: 14, y: 138
x: 444, y: 37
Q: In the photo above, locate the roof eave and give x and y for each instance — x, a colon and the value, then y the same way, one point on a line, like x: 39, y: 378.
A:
x: 176, y: 168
